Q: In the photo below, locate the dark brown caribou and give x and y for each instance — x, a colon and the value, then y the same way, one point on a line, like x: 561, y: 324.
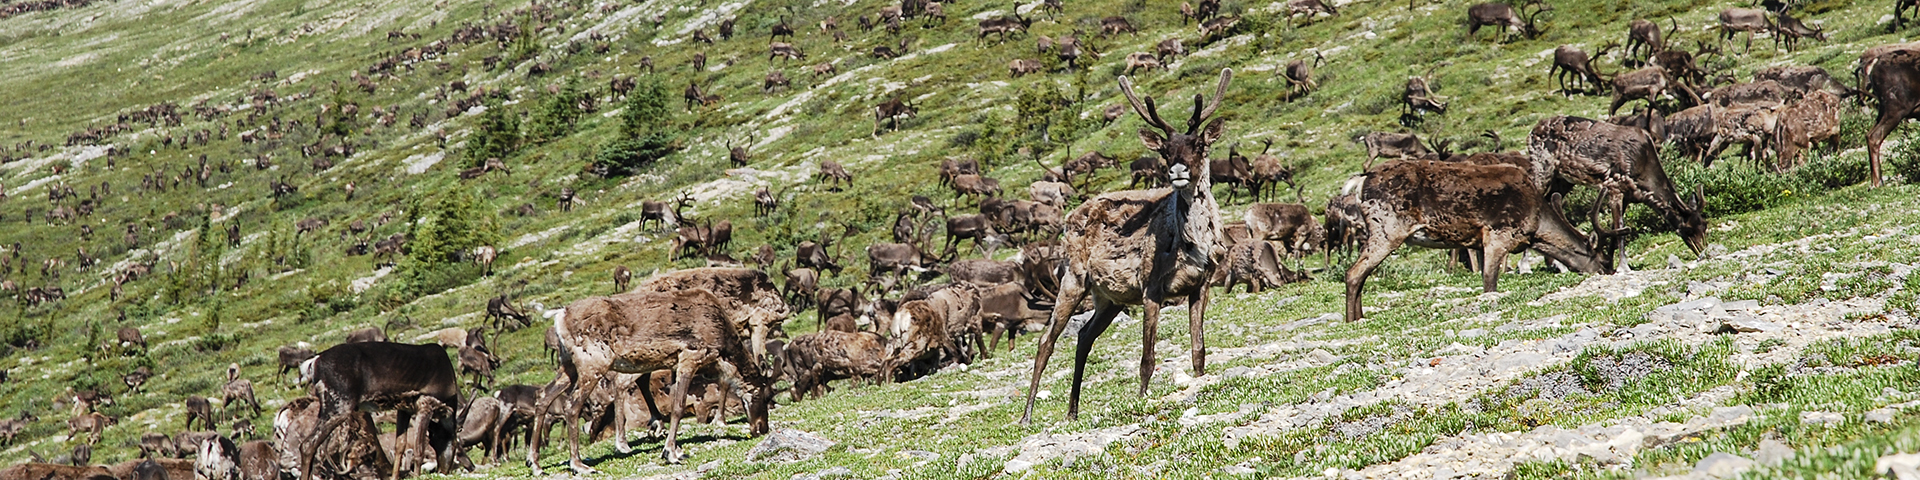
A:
x: 1517, y: 21
x: 1644, y: 38
x: 1890, y: 75
x: 381, y: 375
x: 1570, y: 62
x: 1493, y: 208
x: 890, y: 111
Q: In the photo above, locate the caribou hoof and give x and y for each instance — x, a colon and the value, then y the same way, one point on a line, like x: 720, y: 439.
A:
x: 672, y: 456
x: 582, y: 469
x: 622, y: 447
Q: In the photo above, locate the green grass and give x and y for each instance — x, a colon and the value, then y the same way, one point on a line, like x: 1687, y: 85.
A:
x: 68, y: 70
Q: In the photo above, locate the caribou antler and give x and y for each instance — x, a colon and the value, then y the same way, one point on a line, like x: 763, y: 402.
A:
x: 1151, y: 112
x: 1148, y: 111
x: 1219, y: 93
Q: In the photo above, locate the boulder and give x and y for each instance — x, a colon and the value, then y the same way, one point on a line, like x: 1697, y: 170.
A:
x: 787, y: 446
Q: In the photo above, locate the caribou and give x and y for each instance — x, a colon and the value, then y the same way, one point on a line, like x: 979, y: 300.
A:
x: 1143, y: 247
x: 1494, y: 208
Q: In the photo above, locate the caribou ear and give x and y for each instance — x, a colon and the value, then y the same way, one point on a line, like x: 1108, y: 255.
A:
x: 1152, y: 139
x: 1215, y: 129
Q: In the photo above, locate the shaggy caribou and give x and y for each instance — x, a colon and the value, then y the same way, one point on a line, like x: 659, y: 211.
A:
x: 688, y: 332
x: 1890, y: 74
x: 1143, y: 247
x: 1494, y: 208
x: 1621, y: 162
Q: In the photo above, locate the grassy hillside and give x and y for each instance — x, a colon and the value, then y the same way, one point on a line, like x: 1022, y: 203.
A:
x: 1440, y: 372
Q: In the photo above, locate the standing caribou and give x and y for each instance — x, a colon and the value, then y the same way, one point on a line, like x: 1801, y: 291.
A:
x: 382, y: 375
x: 1572, y: 62
x: 1890, y: 74
x: 1143, y: 247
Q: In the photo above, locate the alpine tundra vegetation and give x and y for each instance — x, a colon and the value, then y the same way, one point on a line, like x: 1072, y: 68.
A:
x: 238, y: 238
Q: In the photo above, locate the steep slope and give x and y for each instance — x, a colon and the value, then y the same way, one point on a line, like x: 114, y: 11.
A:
x: 1441, y: 368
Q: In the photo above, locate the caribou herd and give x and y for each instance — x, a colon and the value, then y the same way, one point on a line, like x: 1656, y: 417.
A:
x: 710, y: 344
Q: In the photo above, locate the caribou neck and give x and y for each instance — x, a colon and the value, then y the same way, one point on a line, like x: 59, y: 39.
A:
x: 1197, y: 217
x: 1557, y: 238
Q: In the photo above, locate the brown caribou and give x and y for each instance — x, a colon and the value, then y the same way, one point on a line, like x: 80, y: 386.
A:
x: 1143, y: 247
x: 1494, y: 208
x: 1622, y: 162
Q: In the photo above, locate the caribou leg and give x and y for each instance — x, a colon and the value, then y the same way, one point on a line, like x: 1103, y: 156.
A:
x: 1104, y: 312
x: 980, y: 345
x: 1071, y: 294
x: 1000, y: 328
x: 579, y: 405
x: 1196, y: 321
x: 1149, y: 335
x: 653, y: 410
x: 1617, y: 204
x: 1378, y: 246
x: 688, y: 365
x: 1493, y: 257
x: 1890, y: 118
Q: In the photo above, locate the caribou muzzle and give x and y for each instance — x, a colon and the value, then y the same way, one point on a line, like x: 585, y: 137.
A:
x: 1179, y: 175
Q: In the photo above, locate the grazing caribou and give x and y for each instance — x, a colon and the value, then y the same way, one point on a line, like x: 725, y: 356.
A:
x: 1309, y: 9
x: 1644, y: 38
x: 1393, y: 146
x: 890, y: 111
x: 1299, y: 75
x: 785, y: 50
x: 1622, y: 162
x: 1494, y: 208
x: 1743, y: 20
x: 1646, y: 83
x: 1790, y: 30
x: 814, y: 359
x: 1507, y: 17
x: 1002, y: 25
x: 685, y: 331
x: 751, y: 294
x: 1890, y: 74
x: 1570, y: 62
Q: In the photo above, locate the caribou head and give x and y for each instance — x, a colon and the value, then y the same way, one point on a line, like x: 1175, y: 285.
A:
x: 1185, y: 152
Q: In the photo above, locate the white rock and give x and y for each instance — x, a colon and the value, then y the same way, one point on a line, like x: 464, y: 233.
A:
x: 1722, y: 465
x: 1772, y: 452
x: 1822, y: 418
x: 1017, y: 466
x: 1320, y: 357
x: 788, y: 445
x: 1880, y: 415
x: 1734, y: 415
x: 1904, y: 466
x: 1627, y: 442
